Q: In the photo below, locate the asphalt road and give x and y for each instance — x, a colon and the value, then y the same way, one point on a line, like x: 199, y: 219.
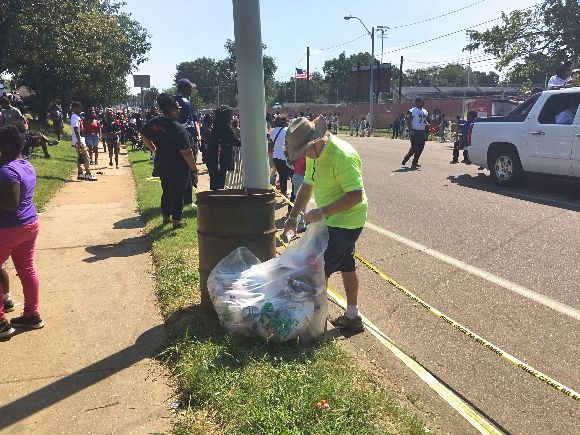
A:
x: 528, y: 236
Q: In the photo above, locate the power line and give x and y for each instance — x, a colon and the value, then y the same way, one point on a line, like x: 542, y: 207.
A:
x: 460, y: 30
x: 439, y: 16
x: 442, y: 36
x: 344, y: 43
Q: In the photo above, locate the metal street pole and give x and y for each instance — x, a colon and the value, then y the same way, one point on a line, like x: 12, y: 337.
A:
x: 250, y: 68
x: 371, y: 85
x: 469, y: 34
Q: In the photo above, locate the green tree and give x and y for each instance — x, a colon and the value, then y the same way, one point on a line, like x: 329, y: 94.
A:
x: 203, y: 72
x: 337, y: 73
x: 480, y: 78
x: 69, y: 49
x: 551, y: 28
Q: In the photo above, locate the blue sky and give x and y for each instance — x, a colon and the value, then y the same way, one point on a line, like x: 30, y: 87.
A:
x: 183, y: 30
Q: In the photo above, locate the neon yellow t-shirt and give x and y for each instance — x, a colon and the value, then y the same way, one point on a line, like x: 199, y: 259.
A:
x: 336, y: 172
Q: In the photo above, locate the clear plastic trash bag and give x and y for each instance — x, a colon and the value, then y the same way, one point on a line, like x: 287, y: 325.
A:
x: 279, y: 300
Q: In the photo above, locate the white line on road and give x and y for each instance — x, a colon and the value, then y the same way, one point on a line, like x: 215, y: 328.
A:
x: 527, y: 293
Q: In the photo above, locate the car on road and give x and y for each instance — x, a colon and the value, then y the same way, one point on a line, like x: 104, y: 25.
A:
x: 276, y: 106
x: 541, y: 135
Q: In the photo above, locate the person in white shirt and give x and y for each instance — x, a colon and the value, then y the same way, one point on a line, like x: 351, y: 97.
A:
x: 562, y: 77
x: 278, y: 136
x: 416, y: 122
x: 78, y: 142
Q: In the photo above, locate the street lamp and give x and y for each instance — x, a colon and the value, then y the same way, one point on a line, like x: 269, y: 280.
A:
x: 371, y: 87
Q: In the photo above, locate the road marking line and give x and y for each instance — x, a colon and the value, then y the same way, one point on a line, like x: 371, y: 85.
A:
x: 462, y: 407
x: 508, y: 285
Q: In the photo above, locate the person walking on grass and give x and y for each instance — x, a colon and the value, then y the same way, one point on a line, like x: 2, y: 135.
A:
x: 334, y: 175
x: 78, y: 142
x: 417, y: 123
x: 18, y: 227
x: 174, y: 162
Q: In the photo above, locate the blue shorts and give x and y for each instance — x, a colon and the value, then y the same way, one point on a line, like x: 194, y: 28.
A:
x: 92, y: 140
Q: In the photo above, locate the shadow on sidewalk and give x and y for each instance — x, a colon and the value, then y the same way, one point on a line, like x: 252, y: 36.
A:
x: 129, y: 223
x: 125, y: 248
x: 145, y: 346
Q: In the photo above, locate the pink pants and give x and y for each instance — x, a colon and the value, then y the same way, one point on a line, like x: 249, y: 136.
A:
x: 18, y: 243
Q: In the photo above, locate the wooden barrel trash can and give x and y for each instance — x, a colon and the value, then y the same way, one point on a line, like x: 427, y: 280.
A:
x: 227, y: 219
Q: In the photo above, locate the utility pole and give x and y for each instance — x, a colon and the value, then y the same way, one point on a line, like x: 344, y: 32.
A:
x: 400, y: 79
x: 372, y: 66
x: 307, y: 75
x: 469, y: 34
x: 372, y: 86
x: 250, y: 68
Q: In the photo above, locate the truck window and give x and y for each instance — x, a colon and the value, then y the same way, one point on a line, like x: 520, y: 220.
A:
x: 560, y: 109
x: 520, y: 113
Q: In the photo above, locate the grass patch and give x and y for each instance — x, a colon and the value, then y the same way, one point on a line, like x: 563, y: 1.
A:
x: 51, y: 174
x: 234, y: 385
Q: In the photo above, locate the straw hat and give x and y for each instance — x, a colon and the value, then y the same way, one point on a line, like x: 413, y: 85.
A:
x: 301, y: 132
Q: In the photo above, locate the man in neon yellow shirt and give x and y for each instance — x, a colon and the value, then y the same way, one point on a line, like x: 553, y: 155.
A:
x: 334, y: 175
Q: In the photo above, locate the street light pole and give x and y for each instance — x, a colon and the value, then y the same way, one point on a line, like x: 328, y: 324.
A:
x: 382, y: 30
x: 469, y: 34
x: 371, y: 86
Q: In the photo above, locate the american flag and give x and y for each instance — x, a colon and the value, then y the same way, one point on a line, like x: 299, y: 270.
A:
x: 301, y: 74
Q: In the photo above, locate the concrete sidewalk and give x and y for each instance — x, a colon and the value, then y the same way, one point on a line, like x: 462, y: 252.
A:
x: 90, y: 370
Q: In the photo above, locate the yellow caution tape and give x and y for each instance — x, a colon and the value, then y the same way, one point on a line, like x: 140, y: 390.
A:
x: 463, y: 408
x: 157, y: 179
x: 478, y: 339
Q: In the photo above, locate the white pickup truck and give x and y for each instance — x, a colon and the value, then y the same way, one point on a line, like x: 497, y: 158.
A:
x: 541, y: 135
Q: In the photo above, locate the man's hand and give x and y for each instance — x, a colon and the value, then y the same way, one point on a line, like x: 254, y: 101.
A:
x: 290, y: 228
x: 314, y: 215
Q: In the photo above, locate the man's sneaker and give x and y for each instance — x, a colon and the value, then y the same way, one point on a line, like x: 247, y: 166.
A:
x: 404, y: 162
x: 5, y: 329
x: 30, y: 322
x: 343, y: 322
x: 8, y: 305
x: 80, y: 176
x: 90, y: 177
x: 454, y: 161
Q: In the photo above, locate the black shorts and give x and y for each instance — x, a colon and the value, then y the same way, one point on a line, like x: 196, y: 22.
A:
x: 339, y: 255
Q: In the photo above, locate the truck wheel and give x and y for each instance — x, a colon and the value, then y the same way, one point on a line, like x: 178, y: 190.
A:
x: 506, y: 168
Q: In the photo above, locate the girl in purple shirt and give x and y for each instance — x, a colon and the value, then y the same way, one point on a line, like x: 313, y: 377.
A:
x: 18, y: 226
